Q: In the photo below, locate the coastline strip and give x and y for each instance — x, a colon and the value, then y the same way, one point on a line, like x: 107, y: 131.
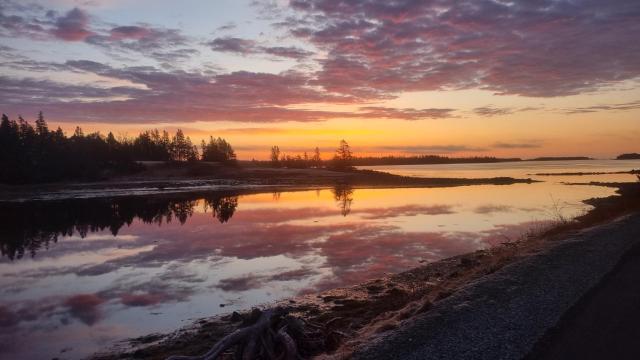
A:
x: 502, y: 316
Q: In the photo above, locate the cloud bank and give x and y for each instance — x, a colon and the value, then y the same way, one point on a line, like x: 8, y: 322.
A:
x: 363, y: 53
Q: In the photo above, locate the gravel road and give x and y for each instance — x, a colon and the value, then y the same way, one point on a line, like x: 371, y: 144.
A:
x: 504, y: 315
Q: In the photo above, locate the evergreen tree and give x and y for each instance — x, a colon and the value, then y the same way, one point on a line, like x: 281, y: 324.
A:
x: 316, y: 160
x: 78, y: 133
x: 218, y: 150
x: 275, y: 156
x: 182, y: 149
x: 35, y: 154
x: 343, y: 157
x: 41, y: 126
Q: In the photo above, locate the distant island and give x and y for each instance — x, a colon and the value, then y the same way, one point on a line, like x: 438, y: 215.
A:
x: 630, y: 156
x: 426, y: 159
x: 437, y: 159
x: 560, y: 158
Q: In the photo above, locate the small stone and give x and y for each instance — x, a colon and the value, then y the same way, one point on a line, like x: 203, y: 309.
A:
x: 235, y: 317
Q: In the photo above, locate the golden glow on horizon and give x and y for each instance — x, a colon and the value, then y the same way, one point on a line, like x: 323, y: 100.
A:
x: 545, y: 131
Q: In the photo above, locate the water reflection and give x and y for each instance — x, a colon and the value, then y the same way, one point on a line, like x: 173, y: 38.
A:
x: 343, y: 194
x: 28, y: 227
x: 85, y: 272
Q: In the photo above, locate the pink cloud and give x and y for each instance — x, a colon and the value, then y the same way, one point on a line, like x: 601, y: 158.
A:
x: 544, y: 48
x: 141, y: 299
x: 85, y: 307
x: 73, y: 26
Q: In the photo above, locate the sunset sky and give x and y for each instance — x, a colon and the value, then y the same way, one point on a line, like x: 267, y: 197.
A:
x: 458, y: 78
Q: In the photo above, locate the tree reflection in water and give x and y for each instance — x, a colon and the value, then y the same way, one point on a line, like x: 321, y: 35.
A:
x: 222, y: 208
x: 30, y: 226
x: 343, y: 194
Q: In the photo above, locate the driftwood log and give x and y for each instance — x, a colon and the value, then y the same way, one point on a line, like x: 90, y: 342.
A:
x: 271, y: 334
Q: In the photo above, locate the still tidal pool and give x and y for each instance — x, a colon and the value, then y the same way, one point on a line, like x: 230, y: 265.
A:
x: 77, y: 275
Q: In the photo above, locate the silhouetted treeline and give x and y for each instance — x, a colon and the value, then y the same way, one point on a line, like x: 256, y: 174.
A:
x: 32, y: 154
x: 345, y: 160
x: 152, y: 145
x: 630, y: 156
x: 37, y: 154
x: 342, y: 160
x: 560, y: 158
x: 217, y: 150
x: 425, y: 159
x: 31, y: 226
x: 299, y: 161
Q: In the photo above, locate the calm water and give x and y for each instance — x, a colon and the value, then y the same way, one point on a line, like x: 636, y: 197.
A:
x: 522, y: 169
x: 77, y: 275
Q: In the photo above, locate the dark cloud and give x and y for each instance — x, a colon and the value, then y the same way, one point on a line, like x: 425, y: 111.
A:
x: 608, y: 107
x: 375, y: 50
x: 21, y: 20
x: 158, y: 95
x: 76, y: 25
x: 492, y: 111
x: 23, y: 95
x: 245, y: 46
x: 421, y: 149
x: 73, y: 26
x: 7, y: 51
x: 165, y: 45
x: 227, y: 27
x: 536, y: 48
x: 130, y: 32
x: 406, y: 113
x: 33, y: 65
x: 232, y: 44
x: 7, y: 317
x: 291, y: 52
x: 523, y: 145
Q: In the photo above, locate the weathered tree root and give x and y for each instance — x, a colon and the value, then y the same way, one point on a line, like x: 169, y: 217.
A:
x: 267, y: 338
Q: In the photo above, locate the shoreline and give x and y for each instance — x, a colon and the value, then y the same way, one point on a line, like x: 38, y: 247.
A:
x: 235, y: 179
x: 505, y: 315
x: 345, y: 319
